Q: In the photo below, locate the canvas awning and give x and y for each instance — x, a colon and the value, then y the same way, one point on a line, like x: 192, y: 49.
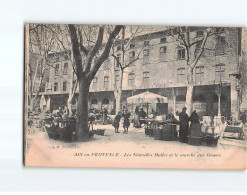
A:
x: 147, y: 97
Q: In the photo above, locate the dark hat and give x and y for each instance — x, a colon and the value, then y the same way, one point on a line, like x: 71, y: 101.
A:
x: 184, y: 108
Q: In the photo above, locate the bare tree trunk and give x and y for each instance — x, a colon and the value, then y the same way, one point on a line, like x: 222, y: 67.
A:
x: 71, y: 94
x: 82, y: 110
x: 118, y: 93
x: 190, y: 89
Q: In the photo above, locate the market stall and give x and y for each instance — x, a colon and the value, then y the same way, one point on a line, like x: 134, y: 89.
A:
x: 147, y: 98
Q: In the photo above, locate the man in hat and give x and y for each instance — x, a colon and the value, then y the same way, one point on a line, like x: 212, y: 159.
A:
x: 184, y: 124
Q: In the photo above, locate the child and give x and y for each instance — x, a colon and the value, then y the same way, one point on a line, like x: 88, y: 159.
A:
x: 116, y: 122
x: 126, y: 122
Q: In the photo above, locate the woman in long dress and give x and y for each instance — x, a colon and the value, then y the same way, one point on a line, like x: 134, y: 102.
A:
x: 105, y: 113
x: 184, y: 124
x: 137, y: 118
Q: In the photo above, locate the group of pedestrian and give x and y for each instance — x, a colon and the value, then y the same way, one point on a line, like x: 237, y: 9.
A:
x: 126, y: 122
x: 184, y: 119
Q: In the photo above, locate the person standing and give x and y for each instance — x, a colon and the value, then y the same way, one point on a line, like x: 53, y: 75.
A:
x: 105, y: 113
x: 143, y: 115
x: 184, y: 124
x: 243, y: 117
x: 116, y: 122
x: 126, y: 122
x: 137, y: 118
x: 195, y: 126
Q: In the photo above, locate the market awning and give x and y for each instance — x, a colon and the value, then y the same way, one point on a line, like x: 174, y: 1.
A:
x: 146, y: 97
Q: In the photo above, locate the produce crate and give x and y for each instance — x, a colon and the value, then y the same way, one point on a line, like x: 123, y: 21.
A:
x: 211, y: 141
x: 100, y: 132
x: 169, y: 132
x: 195, y: 141
x: 158, y: 134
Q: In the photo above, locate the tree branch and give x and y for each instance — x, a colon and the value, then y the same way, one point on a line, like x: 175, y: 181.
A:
x: 119, y: 63
x: 94, y: 50
x: 105, y: 53
x: 82, y: 47
x: 76, y: 51
x: 200, y: 51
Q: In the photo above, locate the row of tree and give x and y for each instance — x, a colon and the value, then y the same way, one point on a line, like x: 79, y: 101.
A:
x: 90, y: 45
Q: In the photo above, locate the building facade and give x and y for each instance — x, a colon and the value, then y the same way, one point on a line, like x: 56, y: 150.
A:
x: 160, y: 68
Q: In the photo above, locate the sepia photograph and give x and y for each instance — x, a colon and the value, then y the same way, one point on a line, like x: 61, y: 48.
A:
x: 135, y: 96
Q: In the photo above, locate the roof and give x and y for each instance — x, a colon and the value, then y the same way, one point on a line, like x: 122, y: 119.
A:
x: 147, y: 97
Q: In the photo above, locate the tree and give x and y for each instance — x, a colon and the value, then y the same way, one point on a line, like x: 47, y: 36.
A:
x: 122, y: 63
x: 243, y: 66
x: 182, y: 36
x: 41, y: 43
x: 87, y: 63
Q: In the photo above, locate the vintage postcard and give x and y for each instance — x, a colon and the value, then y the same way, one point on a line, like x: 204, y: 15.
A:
x: 129, y: 96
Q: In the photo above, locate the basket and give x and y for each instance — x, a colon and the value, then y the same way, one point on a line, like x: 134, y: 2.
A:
x: 158, y: 134
x: 212, y: 142
x: 168, y: 133
x: 100, y: 132
x: 149, y: 132
x: 195, y: 141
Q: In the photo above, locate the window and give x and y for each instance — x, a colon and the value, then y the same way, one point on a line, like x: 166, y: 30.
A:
x: 132, y: 45
x: 219, y: 72
x: 66, y: 56
x: 106, y: 64
x: 56, y: 58
x: 94, y: 101
x: 181, y: 53
x: 145, y: 56
x: 65, y: 68
x: 146, y: 43
x: 199, y: 74
x: 163, y: 40
x: 57, y: 70
x: 95, y: 82
x: 106, y: 82
x: 220, y: 48
x: 119, y: 48
x: 198, y: 47
x: 162, y: 53
x: 131, y: 56
x: 181, y: 75
x: 131, y: 79
x: 64, y: 86
x: 145, y: 79
x: 199, y: 33
x: 118, y: 59
x: 56, y: 86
